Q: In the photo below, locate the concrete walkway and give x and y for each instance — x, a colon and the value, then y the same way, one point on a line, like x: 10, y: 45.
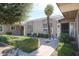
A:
x: 43, y: 51
x: 47, y: 48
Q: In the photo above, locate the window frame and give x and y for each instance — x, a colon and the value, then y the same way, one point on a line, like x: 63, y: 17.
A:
x: 2, y: 28
x: 46, y: 27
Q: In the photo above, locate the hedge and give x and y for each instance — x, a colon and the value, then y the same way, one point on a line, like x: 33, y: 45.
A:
x: 43, y: 35
x: 8, y: 33
x: 65, y: 49
x: 26, y: 44
x: 38, y: 35
x: 64, y: 37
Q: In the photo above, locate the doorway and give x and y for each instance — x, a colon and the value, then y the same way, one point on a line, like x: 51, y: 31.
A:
x: 65, y: 27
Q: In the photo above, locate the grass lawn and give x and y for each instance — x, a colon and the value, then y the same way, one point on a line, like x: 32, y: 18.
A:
x: 26, y: 44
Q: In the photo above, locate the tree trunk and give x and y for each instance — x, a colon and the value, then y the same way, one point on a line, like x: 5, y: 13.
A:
x: 49, y: 33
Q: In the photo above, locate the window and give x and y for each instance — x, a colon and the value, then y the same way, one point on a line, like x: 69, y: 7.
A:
x: 13, y: 27
x: 45, y: 30
x: 45, y: 27
x: 1, y: 28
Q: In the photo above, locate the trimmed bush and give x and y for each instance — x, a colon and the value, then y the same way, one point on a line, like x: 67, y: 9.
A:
x: 35, y: 34
x: 8, y: 33
x: 43, y: 35
x: 40, y: 35
x: 4, y: 39
x: 26, y: 44
x: 28, y: 34
x: 64, y: 37
x: 65, y: 49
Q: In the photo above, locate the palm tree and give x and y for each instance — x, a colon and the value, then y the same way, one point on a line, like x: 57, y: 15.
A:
x: 48, y: 11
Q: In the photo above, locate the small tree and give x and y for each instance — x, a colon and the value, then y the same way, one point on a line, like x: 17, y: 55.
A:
x: 11, y: 13
x: 48, y: 11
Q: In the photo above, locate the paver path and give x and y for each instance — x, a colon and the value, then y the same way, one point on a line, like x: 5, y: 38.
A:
x: 52, y: 43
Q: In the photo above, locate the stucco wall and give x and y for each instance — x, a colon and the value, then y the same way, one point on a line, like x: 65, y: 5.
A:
x: 5, y: 28
x: 18, y: 30
x: 38, y: 26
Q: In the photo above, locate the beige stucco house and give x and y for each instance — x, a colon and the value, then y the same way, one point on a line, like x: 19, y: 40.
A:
x: 70, y: 22
x: 14, y: 29
x: 40, y: 26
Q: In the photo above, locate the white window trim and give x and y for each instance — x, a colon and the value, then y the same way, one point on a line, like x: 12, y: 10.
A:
x: 2, y: 29
x: 51, y: 26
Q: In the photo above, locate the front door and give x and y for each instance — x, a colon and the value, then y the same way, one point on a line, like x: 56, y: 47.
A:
x: 65, y: 27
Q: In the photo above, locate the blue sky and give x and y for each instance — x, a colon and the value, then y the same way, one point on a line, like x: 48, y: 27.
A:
x: 38, y: 11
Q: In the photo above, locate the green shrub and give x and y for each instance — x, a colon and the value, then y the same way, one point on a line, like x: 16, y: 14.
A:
x: 3, y: 39
x: 27, y: 44
x: 46, y: 36
x: 35, y: 34
x: 64, y: 37
x: 65, y: 49
x: 43, y: 35
x: 8, y: 33
x: 31, y: 45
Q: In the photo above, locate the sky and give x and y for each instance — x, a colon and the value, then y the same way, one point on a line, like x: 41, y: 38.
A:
x: 38, y: 11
